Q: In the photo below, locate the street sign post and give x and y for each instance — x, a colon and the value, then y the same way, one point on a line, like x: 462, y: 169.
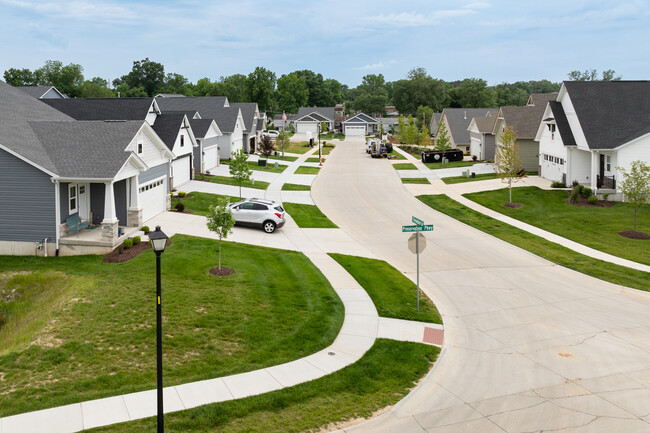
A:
x: 416, y: 243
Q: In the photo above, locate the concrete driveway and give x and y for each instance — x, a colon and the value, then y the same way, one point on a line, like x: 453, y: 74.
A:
x: 529, y: 346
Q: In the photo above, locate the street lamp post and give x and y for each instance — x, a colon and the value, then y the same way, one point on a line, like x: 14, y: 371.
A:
x: 158, y: 242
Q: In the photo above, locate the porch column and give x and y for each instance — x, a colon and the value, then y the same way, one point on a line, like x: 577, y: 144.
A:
x: 109, y: 204
x: 567, y: 165
x: 134, y: 211
x: 594, y: 170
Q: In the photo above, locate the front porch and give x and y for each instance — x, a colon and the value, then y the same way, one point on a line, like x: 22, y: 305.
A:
x: 93, y: 240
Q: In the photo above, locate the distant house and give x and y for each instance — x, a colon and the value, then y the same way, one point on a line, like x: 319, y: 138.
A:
x: 175, y: 131
x: 482, y: 142
x: 591, y: 129
x: 391, y: 111
x: 252, y: 122
x: 457, y: 120
x: 309, y: 119
x: 360, y: 125
x: 206, y: 154
x: 42, y: 92
x: 433, y: 125
x: 525, y: 120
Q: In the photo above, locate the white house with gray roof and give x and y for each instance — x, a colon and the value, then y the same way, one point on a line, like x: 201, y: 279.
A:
x: 112, y: 174
x: 206, y: 154
x: 308, y: 119
x: 359, y: 125
x: 457, y: 120
x: 591, y: 129
x: 176, y: 132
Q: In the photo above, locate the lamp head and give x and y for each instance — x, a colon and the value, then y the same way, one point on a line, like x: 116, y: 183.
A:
x: 158, y: 240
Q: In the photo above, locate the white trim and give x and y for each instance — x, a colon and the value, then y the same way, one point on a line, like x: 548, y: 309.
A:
x: 74, y: 209
x: 22, y: 158
x: 57, y: 213
x: 634, y: 140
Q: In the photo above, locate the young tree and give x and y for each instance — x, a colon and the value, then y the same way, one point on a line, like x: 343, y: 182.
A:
x: 442, y: 137
x: 282, y: 140
x: 508, y: 162
x: 266, y: 146
x: 401, y: 129
x: 239, y: 169
x: 411, y: 131
x: 636, y: 185
x: 424, y: 139
x: 221, y: 221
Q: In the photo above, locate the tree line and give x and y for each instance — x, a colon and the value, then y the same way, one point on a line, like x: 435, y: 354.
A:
x: 418, y: 93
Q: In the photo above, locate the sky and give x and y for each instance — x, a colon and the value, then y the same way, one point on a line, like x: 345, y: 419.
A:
x: 499, y: 41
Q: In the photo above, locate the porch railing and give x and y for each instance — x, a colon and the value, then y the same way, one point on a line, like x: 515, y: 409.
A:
x: 607, y: 182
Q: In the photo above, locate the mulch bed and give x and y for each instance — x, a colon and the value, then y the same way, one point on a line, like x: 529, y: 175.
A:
x: 512, y: 205
x: 631, y: 234
x: 116, y: 257
x: 600, y: 203
x: 223, y: 272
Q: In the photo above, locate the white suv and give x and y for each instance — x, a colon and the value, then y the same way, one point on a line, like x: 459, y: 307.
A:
x: 258, y: 212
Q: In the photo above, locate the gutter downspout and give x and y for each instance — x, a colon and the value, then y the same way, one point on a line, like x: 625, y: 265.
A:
x: 57, y: 210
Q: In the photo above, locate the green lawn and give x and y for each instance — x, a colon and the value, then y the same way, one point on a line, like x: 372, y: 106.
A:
x: 308, y: 216
x: 393, y: 294
x: 596, y: 227
x: 325, y: 150
x: 461, y: 179
x: 404, y: 166
x: 381, y: 378
x: 304, y: 169
x: 450, y: 164
x: 226, y: 180
x: 295, y: 187
x: 332, y: 136
x: 539, y: 246
x: 270, y: 167
x: 418, y: 180
x: 396, y: 155
x: 80, y: 329
x: 314, y: 159
x: 199, y: 202
x: 296, y: 147
x: 286, y: 157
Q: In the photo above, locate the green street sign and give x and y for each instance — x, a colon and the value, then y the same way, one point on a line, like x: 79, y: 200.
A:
x: 417, y: 221
x: 424, y: 228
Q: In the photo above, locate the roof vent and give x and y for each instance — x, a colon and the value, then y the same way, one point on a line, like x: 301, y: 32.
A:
x: 465, y: 115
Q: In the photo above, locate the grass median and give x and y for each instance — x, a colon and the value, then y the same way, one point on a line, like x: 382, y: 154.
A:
x: 269, y: 167
x: 295, y: 187
x: 308, y: 216
x: 416, y: 180
x: 305, y: 169
x: 404, y: 166
x: 226, y: 180
x: 95, y: 336
x: 543, y: 248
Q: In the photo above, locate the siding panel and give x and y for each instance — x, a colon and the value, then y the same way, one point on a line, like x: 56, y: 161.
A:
x: 153, y: 173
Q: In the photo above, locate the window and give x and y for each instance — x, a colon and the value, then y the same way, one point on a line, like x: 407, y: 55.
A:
x: 258, y: 206
x: 72, y: 198
x: 182, y: 140
x: 139, y: 148
x: 609, y: 163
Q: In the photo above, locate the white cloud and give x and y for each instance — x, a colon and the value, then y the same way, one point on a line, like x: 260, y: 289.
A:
x: 416, y: 19
x: 375, y: 66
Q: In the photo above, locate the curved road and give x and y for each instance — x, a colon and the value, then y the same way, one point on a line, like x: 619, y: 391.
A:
x: 529, y: 346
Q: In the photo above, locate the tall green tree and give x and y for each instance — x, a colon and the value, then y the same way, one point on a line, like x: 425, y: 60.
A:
x: 333, y: 92
x: 507, y: 162
x: 423, y: 114
x: 371, y: 95
x: 234, y: 87
x: 636, y: 185
x: 239, y: 169
x: 261, y: 88
x: 292, y: 92
x: 147, y: 74
x: 23, y: 77
x: 221, y: 221
x: 318, y: 92
x: 473, y: 93
x: 97, y: 87
x: 67, y: 79
x: 175, y: 84
x: 592, y: 75
x: 419, y: 89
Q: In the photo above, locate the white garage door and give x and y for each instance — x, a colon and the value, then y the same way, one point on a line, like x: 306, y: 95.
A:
x: 180, y: 171
x: 303, y: 128
x: 210, y: 158
x: 152, y: 198
x: 355, y: 130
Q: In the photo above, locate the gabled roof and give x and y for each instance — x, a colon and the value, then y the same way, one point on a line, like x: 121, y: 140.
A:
x: 326, y: 112
x: 540, y: 99
x: 611, y: 113
x: 485, y: 124
x: 40, y: 91
x: 248, y: 112
x: 226, y: 118
x: 433, y: 126
x: 260, y: 124
x: 525, y: 120
x: 103, y: 108
x: 169, y: 95
x: 458, y: 120
x: 191, y: 114
x: 206, y: 105
x: 562, y: 123
x: 87, y: 149
x: 312, y: 117
x: 167, y: 126
x: 200, y: 127
x: 361, y: 117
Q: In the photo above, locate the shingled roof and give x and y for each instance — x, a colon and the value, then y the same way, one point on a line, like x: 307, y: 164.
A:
x: 562, y: 123
x: 611, y: 113
x: 525, y: 120
x: 103, y: 108
x: 207, y: 106
x: 485, y: 124
x: 167, y: 127
x: 327, y: 112
x: 248, y: 110
x: 200, y: 127
x: 39, y: 91
x: 459, y: 119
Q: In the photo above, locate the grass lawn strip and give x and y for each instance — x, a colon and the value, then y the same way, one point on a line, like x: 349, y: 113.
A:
x: 308, y: 216
x: 543, y: 248
x: 296, y: 147
x: 200, y: 202
x: 270, y: 167
x: 396, y: 155
x: 227, y: 180
x: 382, y: 377
x: 416, y: 180
x: 394, y: 295
x: 305, y: 169
x: 99, y: 340
x: 314, y: 159
x: 595, y: 227
x: 295, y: 187
x: 325, y: 150
x: 462, y: 179
x: 404, y: 166
x: 280, y: 158
x: 450, y: 164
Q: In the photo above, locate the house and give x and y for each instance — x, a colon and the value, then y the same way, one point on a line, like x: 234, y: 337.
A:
x: 42, y: 92
x: 281, y: 124
x: 206, y: 154
x: 360, y: 125
x: 309, y: 119
x: 525, y: 120
x: 175, y: 131
x: 391, y: 111
x: 107, y: 108
x: 456, y: 120
x: 110, y: 173
x: 433, y: 125
x: 482, y: 142
x: 251, y: 132
x: 591, y: 129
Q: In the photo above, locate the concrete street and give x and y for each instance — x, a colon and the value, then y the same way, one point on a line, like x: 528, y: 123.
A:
x: 529, y: 346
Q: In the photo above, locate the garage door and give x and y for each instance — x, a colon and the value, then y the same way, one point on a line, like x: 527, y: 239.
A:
x: 210, y: 158
x: 355, y: 130
x: 303, y: 128
x: 152, y: 198
x: 180, y: 171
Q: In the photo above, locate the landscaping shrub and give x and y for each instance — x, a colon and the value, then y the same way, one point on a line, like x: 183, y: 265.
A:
x: 586, y: 192
x: 592, y: 199
x: 145, y: 229
x: 556, y: 184
x: 180, y: 207
x: 605, y: 196
x: 474, y: 158
x: 181, y: 194
x: 128, y: 243
x: 575, y: 194
x: 136, y: 240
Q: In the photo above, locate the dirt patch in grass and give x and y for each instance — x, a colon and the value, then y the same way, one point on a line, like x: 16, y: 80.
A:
x: 120, y: 255
x: 223, y: 272
x: 512, y: 205
x: 631, y: 234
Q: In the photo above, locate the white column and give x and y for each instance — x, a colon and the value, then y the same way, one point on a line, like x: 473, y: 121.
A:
x: 567, y: 166
x: 594, y: 170
x: 134, y: 193
x: 109, y: 204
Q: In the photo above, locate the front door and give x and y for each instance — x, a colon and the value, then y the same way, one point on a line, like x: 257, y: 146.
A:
x: 84, y: 202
